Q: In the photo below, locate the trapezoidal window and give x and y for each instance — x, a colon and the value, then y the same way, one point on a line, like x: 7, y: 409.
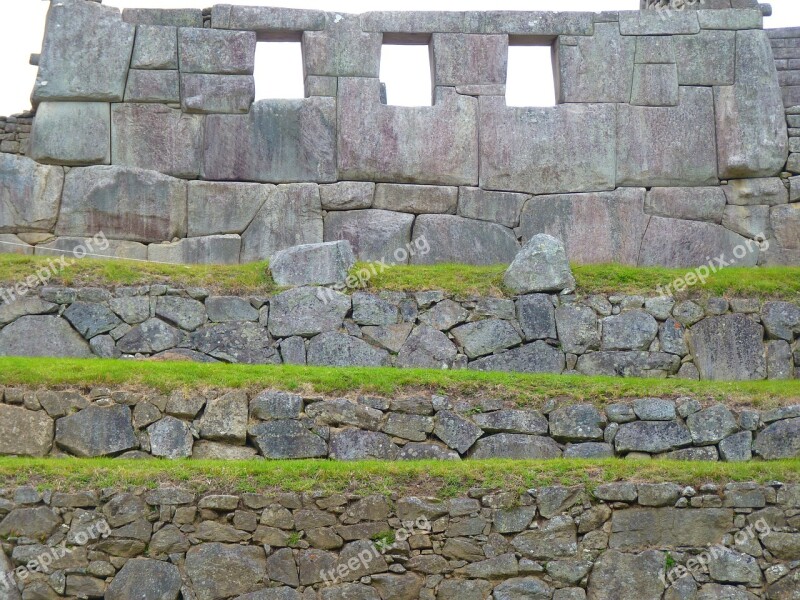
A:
x: 279, y: 70
x: 531, y: 79
x: 406, y: 74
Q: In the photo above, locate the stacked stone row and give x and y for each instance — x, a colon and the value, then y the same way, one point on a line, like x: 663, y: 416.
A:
x: 15, y: 132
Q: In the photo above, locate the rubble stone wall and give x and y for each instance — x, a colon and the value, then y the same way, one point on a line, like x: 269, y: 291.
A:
x: 621, y: 541
x: 668, y: 145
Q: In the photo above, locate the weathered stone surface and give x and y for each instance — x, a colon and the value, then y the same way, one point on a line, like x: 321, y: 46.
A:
x: 567, y: 148
x: 186, y: 313
x: 599, y: 68
x: 536, y: 316
x: 781, y: 320
x: 78, y: 247
x: 756, y: 192
x: 390, y: 337
x: 416, y: 199
x: 24, y: 432
x: 170, y: 438
x: 153, y: 86
x: 628, y: 364
x: 556, y: 538
x: 313, y: 264
x: 85, y: 54
x: 228, y: 309
x: 307, y: 311
x: 577, y: 328
x: 469, y: 59
x: 210, y: 250
x: 751, y: 136
x: 579, y: 219
x: 158, y: 138
x: 669, y: 527
x: 204, y: 93
x: 223, y: 208
x: 737, y: 447
x: 267, y: 19
x: 694, y: 204
x: 225, y: 419
x: 500, y: 207
x: 728, y: 347
x: 538, y: 357
x: 516, y: 446
x: 225, y: 570
x: 655, y: 85
x: 374, y: 235
x: 512, y: 421
x: 654, y: 409
x: 632, y: 330
x: 29, y: 194
x: 342, y: 50
x: 541, y: 266
x: 779, y: 440
x: 156, y: 47
x: 369, y: 309
x: 436, y: 145
x: 123, y: 203
x: 485, y: 337
x: 72, y: 133
x: 279, y: 141
x: 577, y: 423
x: 651, y: 436
x: 248, y: 343
x: 39, y: 335
x: 96, y: 431
x: 347, y: 195
x: 287, y: 439
x: 334, y: 349
x: 11, y: 311
x: 678, y: 243
x: 619, y: 576
x: 706, y: 58
x: 456, y: 431
x: 91, y: 318
x: 151, y: 336
x: 455, y: 239
x: 290, y: 216
x: 711, y: 425
x: 36, y: 523
x: 522, y: 587
x: 165, y: 17
x: 216, y: 52
x: 427, y: 348
x: 355, y: 444
x: 785, y: 222
x: 666, y: 146
x: 749, y: 221
x: 146, y: 579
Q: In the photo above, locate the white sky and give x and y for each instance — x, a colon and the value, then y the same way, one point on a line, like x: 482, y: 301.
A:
x: 21, y: 34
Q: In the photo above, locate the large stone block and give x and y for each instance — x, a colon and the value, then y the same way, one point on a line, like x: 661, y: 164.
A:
x: 500, y: 207
x: 40, y: 335
x: 342, y: 50
x: 25, y: 432
x: 85, y: 54
x: 307, y: 311
x: 694, y: 204
x: 30, y: 194
x: 126, y: 204
x: 291, y: 215
x: 202, y: 93
x: 538, y: 357
x: 153, y: 86
x: 264, y: 19
x: 72, y: 133
x: 417, y: 199
x: 280, y: 141
x: 455, y: 239
x: 599, y: 68
x: 567, y: 148
x: 751, y: 127
x: 165, y: 17
x: 375, y: 235
x: 464, y: 59
x: 707, y: 58
x: 312, y: 264
x: 728, y: 347
x: 347, y: 195
x: 96, y: 431
x: 156, y: 47
x: 666, y: 146
x: 216, y: 52
x: 678, y: 243
x: 634, y: 22
x: 77, y: 246
x: 215, y: 208
x: 755, y: 192
x: 669, y: 528
x: 436, y: 145
x: 206, y: 250
x: 655, y: 85
x: 158, y: 138
x: 602, y: 227
x: 629, y: 364
x: 785, y: 220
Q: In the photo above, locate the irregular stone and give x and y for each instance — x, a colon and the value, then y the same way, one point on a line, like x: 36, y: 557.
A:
x: 555, y: 538
x: 732, y: 567
x: 529, y: 422
x: 409, y: 427
x: 156, y: 47
x: 374, y: 235
x: 170, y: 438
x: 12, y: 244
x: 227, y: 309
x: 36, y: 335
x: 85, y: 54
x: 72, y: 133
x: 217, y: 52
x: 24, y: 432
x: 781, y: 320
x: 486, y: 337
x: 576, y: 423
x: 654, y: 409
x: 523, y: 587
x: 711, y: 425
x: 693, y: 204
x: 668, y: 527
x: 335, y: 349
x: 123, y: 203
x: 287, y: 439
x: 749, y: 221
x: 96, y: 431
x: 91, y: 319
x: 756, y: 192
x: 628, y: 364
x: 577, y: 328
x: 185, y: 313
x: 149, y: 337
x: 307, y: 311
x: 651, y: 436
x: 779, y: 360
x: 426, y: 348
x: 229, y: 94
x: 633, y: 330
x: 313, y: 264
x: 416, y: 199
x: 589, y: 450
x: 500, y: 207
x: 672, y: 337
x: 456, y: 431
x: 389, y: 337
x: 270, y: 405
x: 369, y: 309
x: 541, y: 266
x: 427, y: 451
x: 779, y: 440
x: 737, y: 447
x: 726, y: 592
x: 445, y: 315
x: 225, y: 419
x: 205, y: 450
x: 455, y: 239
x: 225, y: 570
x: 248, y: 343
x: 11, y: 311
x: 153, y: 86
x: 355, y: 444
x: 515, y: 446
x: 728, y: 347
x: 29, y: 194
x: 537, y: 357
x: 208, y: 250
x: 347, y: 195
x: 147, y: 579
x: 621, y: 576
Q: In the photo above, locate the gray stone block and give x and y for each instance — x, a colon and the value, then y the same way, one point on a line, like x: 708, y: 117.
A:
x: 374, y: 235
x: 631, y: 330
x: 125, y: 204
x: 72, y: 133
x: 656, y: 23
x: 30, y: 194
x: 78, y: 247
x: 537, y: 357
x: 219, y: 208
x: 416, y: 199
x: 279, y: 141
x: 85, y: 54
x: 426, y: 348
x: 334, y: 349
x: 460, y: 59
x: 156, y: 47
x: 693, y: 204
x: 307, y: 311
x: 153, y: 86
x: 577, y: 328
x: 40, y: 335
x: 433, y: 145
x: 779, y: 440
x: 486, y: 337
x: 529, y: 23
x: 750, y: 221
x: 731, y: 19
x: 665, y: 146
x: 748, y: 192
x: 600, y: 227
x: 457, y: 240
x: 536, y: 316
x: 11, y: 244
x: 216, y: 52
x: 291, y: 215
x: 655, y: 50
x: 265, y: 19
x: 785, y: 221
x: 287, y: 439
x: 203, y: 93
x: 318, y: 85
x: 728, y: 347
x: 342, y: 50
x: 347, y: 195
x: 96, y: 431
x: 413, y: 22
x: 707, y: 58
x: 629, y: 364
x: 515, y: 446
x: 312, y: 264
x: 502, y: 208
x: 248, y: 343
x: 569, y: 148
x: 599, y: 68
x: 655, y: 85
x: 157, y: 138
x: 751, y: 132
x: 207, y: 250
x: 172, y: 17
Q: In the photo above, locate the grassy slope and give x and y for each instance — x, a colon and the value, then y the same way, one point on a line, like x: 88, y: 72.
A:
x: 253, y: 278
x: 444, y: 479
x: 529, y: 390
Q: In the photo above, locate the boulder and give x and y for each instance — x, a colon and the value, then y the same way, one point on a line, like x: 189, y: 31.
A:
x: 313, y: 264
x: 146, y: 579
x: 40, y: 335
x: 537, y: 357
x: 72, y: 133
x: 632, y: 330
x: 287, y: 439
x: 619, y: 576
x: 225, y: 570
x: 426, y: 348
x: 96, y: 431
x: 444, y: 315
x: 779, y: 440
x: 375, y: 235
x: 307, y: 311
x: 536, y: 316
x: 25, y: 432
x: 728, y: 347
x: 651, y: 437
x: 453, y: 239
x: 355, y: 444
x: 170, y: 438
x: 333, y: 349
x: 485, y: 337
x: 515, y: 446
x: 247, y: 343
x: 541, y: 266
x: 30, y: 195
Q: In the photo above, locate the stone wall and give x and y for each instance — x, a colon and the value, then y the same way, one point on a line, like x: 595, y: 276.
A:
x: 666, y: 147
x: 622, y: 541
x: 738, y: 339
x: 281, y: 425
x: 15, y: 133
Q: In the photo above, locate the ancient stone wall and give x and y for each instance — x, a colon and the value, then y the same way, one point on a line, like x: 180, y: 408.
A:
x: 666, y: 147
x: 621, y: 541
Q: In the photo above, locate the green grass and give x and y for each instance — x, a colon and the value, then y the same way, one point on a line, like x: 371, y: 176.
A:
x: 530, y: 390
x: 440, y: 478
x: 459, y: 280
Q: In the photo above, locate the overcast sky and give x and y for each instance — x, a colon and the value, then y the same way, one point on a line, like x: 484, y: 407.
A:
x: 21, y: 34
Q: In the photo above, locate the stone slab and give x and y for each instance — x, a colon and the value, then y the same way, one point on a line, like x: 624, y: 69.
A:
x: 499, y: 207
x: 153, y: 86
x: 465, y: 59
x: 173, y: 17
x: 693, y: 203
x: 30, y: 194
x: 219, y: 208
x: 342, y: 50
x: 375, y: 235
x: 455, y: 239
x: 707, y: 58
x: 267, y: 19
x: 416, y: 199
x: 216, y: 52
x: 203, y: 93
x: 207, y: 250
x: 72, y: 133
x: 156, y: 47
